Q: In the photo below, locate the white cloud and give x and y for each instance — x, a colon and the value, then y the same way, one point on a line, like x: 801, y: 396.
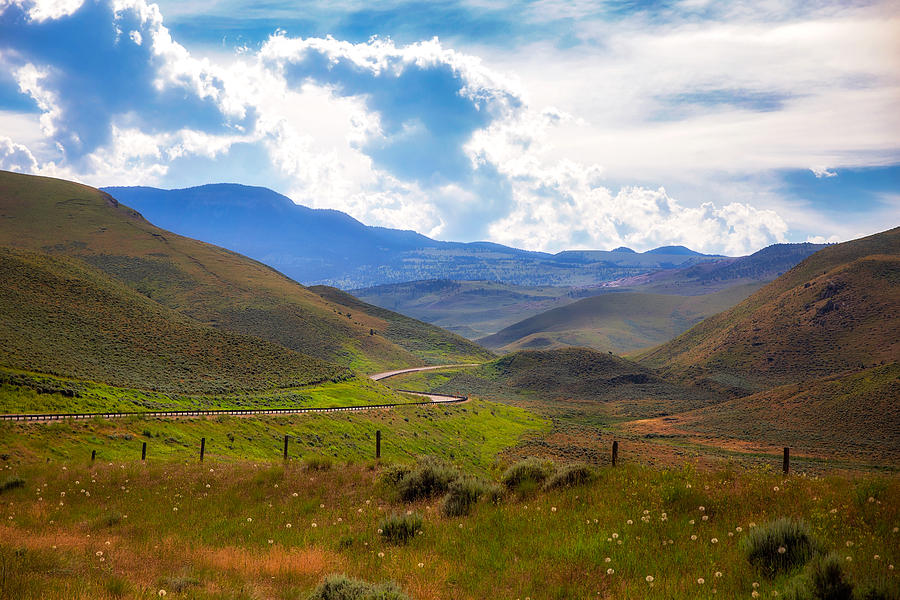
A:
x: 821, y: 172
x: 16, y: 157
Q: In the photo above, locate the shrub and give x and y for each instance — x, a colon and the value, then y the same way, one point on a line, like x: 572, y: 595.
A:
x: 428, y: 478
x: 571, y: 475
x: 393, y: 474
x: 527, y: 475
x: 780, y: 546
x: 463, y: 494
x: 494, y: 493
x: 179, y: 584
x: 12, y: 483
x: 399, y: 529
x: 824, y: 579
x: 341, y: 587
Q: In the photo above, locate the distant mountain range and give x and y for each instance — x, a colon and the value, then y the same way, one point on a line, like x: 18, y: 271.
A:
x: 328, y: 247
x: 623, y: 315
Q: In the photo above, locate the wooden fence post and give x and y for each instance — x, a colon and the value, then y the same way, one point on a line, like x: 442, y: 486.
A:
x: 615, y: 454
x: 202, y: 448
x: 93, y: 455
x: 285, y: 447
x: 144, y: 451
x: 378, y: 444
x: 786, y: 467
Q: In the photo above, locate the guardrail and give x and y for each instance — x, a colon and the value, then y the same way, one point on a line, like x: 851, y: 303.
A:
x: 226, y: 411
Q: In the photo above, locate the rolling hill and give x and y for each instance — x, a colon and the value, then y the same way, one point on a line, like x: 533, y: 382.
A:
x: 63, y: 318
x: 572, y: 381
x: 835, y: 313
x: 427, y: 341
x: 478, y: 309
x: 620, y: 322
x: 329, y: 247
x: 211, y: 285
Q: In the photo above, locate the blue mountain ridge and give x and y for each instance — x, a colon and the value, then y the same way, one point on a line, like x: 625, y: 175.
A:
x: 322, y: 246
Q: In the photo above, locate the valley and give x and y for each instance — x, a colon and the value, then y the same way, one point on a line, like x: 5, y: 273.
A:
x: 727, y: 361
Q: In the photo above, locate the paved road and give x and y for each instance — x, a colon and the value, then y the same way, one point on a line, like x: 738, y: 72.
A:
x: 432, y: 399
x: 386, y: 374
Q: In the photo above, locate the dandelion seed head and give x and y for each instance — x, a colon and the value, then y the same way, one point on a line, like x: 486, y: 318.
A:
x: 649, y: 578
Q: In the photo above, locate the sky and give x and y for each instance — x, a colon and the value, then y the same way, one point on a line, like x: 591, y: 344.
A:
x: 724, y: 126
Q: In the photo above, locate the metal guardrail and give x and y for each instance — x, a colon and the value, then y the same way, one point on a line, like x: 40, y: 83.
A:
x: 226, y: 411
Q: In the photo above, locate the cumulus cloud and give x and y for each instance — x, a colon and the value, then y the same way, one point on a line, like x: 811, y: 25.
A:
x: 428, y: 137
x: 16, y: 157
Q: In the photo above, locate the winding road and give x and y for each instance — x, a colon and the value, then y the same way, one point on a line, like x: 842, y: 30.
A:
x: 432, y: 399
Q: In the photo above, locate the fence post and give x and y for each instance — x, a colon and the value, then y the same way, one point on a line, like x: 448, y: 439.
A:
x: 786, y: 467
x: 93, y: 455
x: 202, y: 448
x: 285, y: 447
x: 615, y: 454
x: 144, y: 451
x: 378, y: 444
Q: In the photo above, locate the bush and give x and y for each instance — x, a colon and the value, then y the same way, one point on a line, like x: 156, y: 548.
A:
x: 399, y: 529
x: 12, y: 483
x: 780, y: 546
x: 317, y: 463
x: 428, y: 478
x: 527, y: 475
x: 463, y: 494
x: 824, y: 579
x: 393, y: 474
x: 341, y: 587
x: 494, y: 493
x: 571, y: 475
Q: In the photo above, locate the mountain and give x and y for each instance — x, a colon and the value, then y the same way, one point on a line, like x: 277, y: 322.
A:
x: 329, y: 247
x: 477, y: 309
x: 674, y: 251
x: 620, y: 322
x: 473, y: 309
x: 213, y: 286
x: 835, y: 313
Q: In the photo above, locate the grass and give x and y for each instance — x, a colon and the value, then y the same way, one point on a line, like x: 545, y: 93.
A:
x: 23, y: 392
x: 224, y: 525
x: 472, y: 434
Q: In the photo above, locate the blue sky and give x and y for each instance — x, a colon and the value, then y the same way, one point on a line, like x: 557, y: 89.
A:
x: 724, y: 126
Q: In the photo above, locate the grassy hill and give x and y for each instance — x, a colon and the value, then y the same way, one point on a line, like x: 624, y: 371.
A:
x: 620, y: 322
x: 62, y: 318
x: 571, y: 383
x: 837, y: 312
x: 209, y: 284
x: 847, y: 417
x: 429, y: 342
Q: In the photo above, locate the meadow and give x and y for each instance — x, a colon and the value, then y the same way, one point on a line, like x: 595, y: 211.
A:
x: 267, y: 529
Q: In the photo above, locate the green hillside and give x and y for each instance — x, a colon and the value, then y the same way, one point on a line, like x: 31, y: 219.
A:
x: 620, y: 322
x: 578, y: 383
x: 835, y: 313
x: 431, y: 343
x: 209, y: 284
x: 62, y: 318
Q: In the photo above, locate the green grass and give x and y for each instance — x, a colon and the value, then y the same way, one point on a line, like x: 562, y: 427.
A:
x: 472, y: 434
x: 229, y: 536
x: 22, y: 392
